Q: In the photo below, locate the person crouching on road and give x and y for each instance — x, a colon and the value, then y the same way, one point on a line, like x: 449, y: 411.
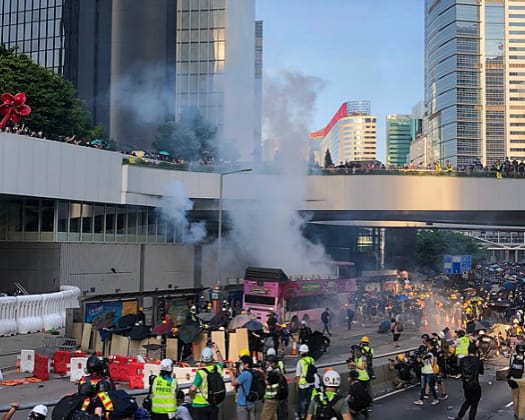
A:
x: 329, y: 400
x: 164, y: 393
x: 470, y: 367
x: 304, y: 385
x: 39, y: 412
x: 516, y: 380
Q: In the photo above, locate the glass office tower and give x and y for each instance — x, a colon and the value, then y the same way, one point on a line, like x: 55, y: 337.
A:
x: 474, y: 61
x: 401, y: 130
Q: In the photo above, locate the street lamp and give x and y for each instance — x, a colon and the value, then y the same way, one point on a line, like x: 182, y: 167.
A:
x: 219, y: 236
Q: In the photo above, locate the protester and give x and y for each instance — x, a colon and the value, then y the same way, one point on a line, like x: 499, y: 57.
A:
x: 402, y: 371
x: 358, y: 397
x: 470, y: 367
x: 328, y: 400
x: 368, y: 353
x: 325, y: 319
x: 516, y: 380
x: 349, y: 316
x: 304, y: 380
x: 38, y: 412
x: 396, y: 329
x: 164, y: 393
x: 426, y: 359
x: 183, y: 407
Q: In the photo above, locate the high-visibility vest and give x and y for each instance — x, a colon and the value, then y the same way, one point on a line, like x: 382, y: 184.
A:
x: 363, y: 373
x: 462, y: 347
x: 163, y: 399
x: 305, y: 361
x: 106, y: 402
x: 201, y: 397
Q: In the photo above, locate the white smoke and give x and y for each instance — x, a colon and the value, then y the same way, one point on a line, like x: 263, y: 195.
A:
x: 267, y: 232
x: 175, y: 207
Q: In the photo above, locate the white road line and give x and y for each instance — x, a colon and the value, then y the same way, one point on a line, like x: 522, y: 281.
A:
x: 509, y: 404
x: 397, y: 391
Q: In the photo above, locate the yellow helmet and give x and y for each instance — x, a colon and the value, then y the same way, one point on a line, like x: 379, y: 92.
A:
x: 451, y: 350
x: 244, y: 352
x: 400, y: 357
x: 365, y: 339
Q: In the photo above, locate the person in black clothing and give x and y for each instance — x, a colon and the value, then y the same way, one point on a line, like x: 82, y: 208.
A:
x: 305, y: 332
x: 470, y: 367
x: 325, y: 318
x: 349, y: 316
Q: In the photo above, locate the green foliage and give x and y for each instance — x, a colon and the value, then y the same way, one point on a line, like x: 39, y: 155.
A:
x: 328, y: 159
x: 432, y: 245
x: 55, y: 108
x: 190, y: 139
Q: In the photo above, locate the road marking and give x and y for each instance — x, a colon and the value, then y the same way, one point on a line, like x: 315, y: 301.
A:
x: 509, y: 404
x: 397, y: 391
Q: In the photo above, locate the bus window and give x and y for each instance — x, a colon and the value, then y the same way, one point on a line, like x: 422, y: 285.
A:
x: 346, y: 272
x: 259, y: 300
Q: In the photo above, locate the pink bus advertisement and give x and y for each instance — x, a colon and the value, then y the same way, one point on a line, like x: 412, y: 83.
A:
x: 296, y: 298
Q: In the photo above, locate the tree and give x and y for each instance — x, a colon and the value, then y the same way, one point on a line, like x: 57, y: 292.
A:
x: 191, y: 138
x: 55, y: 108
x: 432, y: 245
x: 328, y: 159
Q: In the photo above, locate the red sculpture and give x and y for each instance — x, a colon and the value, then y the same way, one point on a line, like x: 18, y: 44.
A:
x: 13, y: 108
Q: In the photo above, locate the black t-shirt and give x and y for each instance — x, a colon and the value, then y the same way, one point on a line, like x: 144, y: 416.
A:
x: 403, y: 370
x: 471, y: 367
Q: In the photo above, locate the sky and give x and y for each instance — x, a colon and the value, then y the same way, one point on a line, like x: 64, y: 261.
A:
x: 361, y: 50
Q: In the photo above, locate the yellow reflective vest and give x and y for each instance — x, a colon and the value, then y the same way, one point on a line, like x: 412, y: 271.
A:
x: 163, y: 398
x: 462, y: 347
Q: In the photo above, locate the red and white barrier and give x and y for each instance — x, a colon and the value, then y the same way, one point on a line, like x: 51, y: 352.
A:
x: 27, y: 361
x: 77, y: 368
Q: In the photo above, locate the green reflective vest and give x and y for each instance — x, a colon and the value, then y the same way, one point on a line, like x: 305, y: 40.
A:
x: 462, y: 347
x: 305, y: 361
x: 163, y: 399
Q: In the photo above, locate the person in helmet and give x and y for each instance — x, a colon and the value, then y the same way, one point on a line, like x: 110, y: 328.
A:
x: 164, y: 392
x: 368, y: 353
x: 358, y: 397
x: 96, y: 372
x: 202, y: 409
x: 303, y: 377
x: 271, y: 357
x: 305, y: 332
x: 329, y: 397
x: 516, y: 380
x: 401, y: 371
x: 462, y: 342
x: 38, y: 412
x: 97, y: 401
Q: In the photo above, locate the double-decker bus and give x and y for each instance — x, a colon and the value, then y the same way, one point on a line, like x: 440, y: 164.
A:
x: 300, y: 297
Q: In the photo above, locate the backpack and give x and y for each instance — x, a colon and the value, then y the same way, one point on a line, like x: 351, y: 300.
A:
x: 399, y: 326
x: 516, y: 368
x: 67, y: 406
x: 216, y: 387
x: 124, y: 405
x: 435, y: 365
x: 324, y: 408
x: 282, y: 391
x: 141, y: 414
x: 257, y: 388
x: 311, y: 371
x: 367, y: 353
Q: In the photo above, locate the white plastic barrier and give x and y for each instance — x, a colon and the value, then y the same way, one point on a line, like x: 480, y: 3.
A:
x: 27, y: 361
x: 77, y: 368
x: 186, y: 375
x: 53, y: 310
x: 29, y: 313
x: 8, y: 306
x: 149, y: 369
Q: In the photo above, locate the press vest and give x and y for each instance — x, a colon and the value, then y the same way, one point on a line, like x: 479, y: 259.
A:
x: 163, y: 398
x: 462, y: 347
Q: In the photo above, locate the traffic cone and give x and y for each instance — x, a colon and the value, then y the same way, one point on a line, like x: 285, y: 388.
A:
x: 294, y: 351
x: 425, y: 323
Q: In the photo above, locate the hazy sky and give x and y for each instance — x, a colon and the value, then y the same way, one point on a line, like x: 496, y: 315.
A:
x: 370, y: 50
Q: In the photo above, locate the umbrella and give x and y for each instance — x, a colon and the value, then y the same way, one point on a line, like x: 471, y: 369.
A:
x: 206, y: 316
x: 238, y: 321
x: 138, y: 332
x: 163, y: 328
x: 219, y: 320
x: 96, y: 141
x: 188, y: 332
x: 402, y: 297
x: 253, y: 325
x: 475, y: 326
x: 164, y: 153
x: 469, y: 290
x: 509, y: 285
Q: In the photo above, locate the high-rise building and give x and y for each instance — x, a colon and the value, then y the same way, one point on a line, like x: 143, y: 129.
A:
x: 474, y: 61
x: 138, y: 64
x: 401, y: 130
x: 350, y: 135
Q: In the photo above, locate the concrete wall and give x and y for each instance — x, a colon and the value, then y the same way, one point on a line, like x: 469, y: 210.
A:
x: 169, y: 264
x: 34, y: 265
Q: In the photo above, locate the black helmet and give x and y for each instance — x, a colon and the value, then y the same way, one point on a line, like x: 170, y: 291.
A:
x: 422, y: 349
x: 86, y: 389
x: 103, y: 386
x: 94, y: 364
x: 520, y: 348
x: 460, y: 333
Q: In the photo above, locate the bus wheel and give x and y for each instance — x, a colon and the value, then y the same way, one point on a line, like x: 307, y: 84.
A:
x: 294, y: 324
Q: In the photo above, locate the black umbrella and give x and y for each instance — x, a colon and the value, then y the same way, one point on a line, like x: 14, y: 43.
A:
x: 219, y: 320
x: 139, y: 332
x: 206, y: 316
x: 253, y: 325
x: 127, y: 321
x: 475, y: 326
x: 188, y: 332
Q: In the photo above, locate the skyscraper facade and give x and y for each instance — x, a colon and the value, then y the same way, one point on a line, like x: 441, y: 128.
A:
x: 401, y: 130
x: 138, y: 64
x: 474, y: 61
x: 350, y: 135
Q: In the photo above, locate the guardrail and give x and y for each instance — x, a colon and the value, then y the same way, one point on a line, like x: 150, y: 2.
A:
x: 31, y: 313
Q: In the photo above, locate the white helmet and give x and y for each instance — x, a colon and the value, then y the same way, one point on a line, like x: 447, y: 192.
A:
x: 166, y: 365
x: 206, y: 355
x: 331, y: 378
x: 481, y: 332
x: 303, y: 348
x: 441, y: 334
x: 40, y: 409
x: 271, y: 352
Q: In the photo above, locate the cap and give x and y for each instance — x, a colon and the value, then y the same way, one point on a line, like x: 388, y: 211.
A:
x: 40, y: 409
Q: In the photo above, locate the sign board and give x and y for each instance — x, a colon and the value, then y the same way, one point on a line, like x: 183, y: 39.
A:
x: 456, y: 264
